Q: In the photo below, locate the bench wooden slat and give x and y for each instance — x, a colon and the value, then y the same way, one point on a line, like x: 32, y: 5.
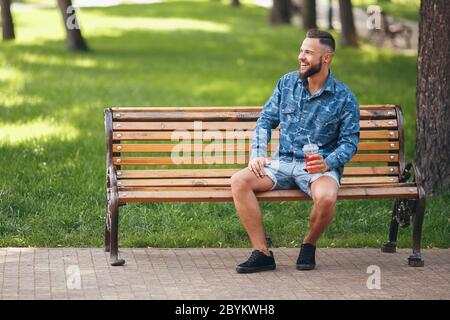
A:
x: 176, y: 173
x: 170, y: 147
x: 239, y: 159
x: 375, y: 157
x: 175, y: 161
x: 371, y: 171
x: 368, y: 180
x: 167, y: 135
x: 188, y: 116
x: 191, y: 109
x: 174, y: 188
x: 214, y: 125
x: 217, y: 147
x: 225, y: 115
x: 168, y: 125
x: 213, y: 188
x: 214, y: 182
x: 195, y: 182
x: 223, y: 108
x: 273, y: 195
x: 366, y: 146
x: 219, y: 173
x: 377, y: 106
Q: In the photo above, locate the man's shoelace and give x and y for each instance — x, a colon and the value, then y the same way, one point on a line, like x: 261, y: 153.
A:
x: 254, y: 256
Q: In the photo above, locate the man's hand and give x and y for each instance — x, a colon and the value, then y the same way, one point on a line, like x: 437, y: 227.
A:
x: 319, y: 165
x: 257, y: 166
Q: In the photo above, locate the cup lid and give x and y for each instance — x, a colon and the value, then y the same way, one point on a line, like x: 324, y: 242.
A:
x: 311, y: 146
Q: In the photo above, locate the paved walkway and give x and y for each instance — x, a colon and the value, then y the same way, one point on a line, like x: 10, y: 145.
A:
x: 85, y: 273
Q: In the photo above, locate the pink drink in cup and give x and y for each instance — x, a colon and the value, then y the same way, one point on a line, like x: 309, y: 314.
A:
x: 311, y: 152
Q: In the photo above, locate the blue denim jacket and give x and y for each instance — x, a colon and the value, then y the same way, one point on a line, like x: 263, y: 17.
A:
x: 330, y: 117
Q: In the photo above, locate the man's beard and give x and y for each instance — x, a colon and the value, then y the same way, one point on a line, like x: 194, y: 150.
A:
x: 312, y: 70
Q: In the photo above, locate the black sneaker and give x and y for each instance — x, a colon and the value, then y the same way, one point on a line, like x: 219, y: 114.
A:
x: 307, y: 257
x: 258, y: 261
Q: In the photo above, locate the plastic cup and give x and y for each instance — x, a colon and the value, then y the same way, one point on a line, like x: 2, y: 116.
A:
x: 311, y: 152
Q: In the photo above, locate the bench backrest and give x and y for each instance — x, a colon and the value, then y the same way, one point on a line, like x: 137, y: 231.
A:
x: 143, y: 141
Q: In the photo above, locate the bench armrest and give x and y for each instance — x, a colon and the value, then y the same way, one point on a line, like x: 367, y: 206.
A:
x: 111, y: 174
x: 111, y: 177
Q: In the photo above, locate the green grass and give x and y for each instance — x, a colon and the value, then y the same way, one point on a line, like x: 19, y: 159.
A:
x: 405, y: 9
x: 52, y: 190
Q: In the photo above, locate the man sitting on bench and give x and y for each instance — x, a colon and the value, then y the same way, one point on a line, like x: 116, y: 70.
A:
x: 307, y: 104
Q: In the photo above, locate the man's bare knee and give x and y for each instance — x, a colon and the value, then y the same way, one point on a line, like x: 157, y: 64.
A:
x: 237, y: 181
x: 324, y: 199
x: 324, y: 193
x: 241, y: 181
x: 246, y: 180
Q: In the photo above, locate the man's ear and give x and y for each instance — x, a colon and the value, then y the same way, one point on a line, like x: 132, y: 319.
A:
x: 327, y: 57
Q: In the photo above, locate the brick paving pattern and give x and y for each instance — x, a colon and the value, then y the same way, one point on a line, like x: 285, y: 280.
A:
x: 201, y: 274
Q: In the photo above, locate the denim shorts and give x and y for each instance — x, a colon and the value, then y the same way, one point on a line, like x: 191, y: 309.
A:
x: 289, y: 175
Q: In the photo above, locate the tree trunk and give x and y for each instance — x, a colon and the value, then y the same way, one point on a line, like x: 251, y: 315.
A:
x: 348, y: 34
x: 309, y: 14
x: 433, y: 96
x: 330, y: 15
x: 281, y: 12
x: 235, y: 3
x: 75, y: 41
x: 7, y: 21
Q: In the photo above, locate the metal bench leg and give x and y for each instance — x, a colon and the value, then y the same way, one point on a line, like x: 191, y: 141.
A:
x: 108, y: 223
x: 113, y: 211
x: 268, y: 241
x: 107, y: 232
x: 391, y: 245
x: 415, y: 260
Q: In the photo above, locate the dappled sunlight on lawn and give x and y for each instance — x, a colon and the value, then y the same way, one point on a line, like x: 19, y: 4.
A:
x: 12, y: 100
x: 80, y: 61
x: 8, y: 74
x: 46, y: 24
x: 95, y: 24
x: 38, y: 25
x: 40, y: 129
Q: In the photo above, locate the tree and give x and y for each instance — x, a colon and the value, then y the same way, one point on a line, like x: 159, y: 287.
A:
x: 235, y: 3
x: 281, y: 12
x: 7, y: 21
x: 330, y: 15
x: 309, y: 14
x: 348, y: 34
x: 433, y: 96
x: 75, y: 41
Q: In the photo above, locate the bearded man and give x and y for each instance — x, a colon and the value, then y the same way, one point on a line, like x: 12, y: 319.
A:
x: 307, y: 105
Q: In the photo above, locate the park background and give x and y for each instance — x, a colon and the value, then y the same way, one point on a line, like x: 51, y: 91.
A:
x: 169, y: 53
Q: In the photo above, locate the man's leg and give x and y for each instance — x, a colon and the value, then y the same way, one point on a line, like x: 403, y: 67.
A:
x: 244, y: 183
x: 324, y: 194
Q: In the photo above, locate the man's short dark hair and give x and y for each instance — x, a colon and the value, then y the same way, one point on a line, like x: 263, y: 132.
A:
x: 324, y: 37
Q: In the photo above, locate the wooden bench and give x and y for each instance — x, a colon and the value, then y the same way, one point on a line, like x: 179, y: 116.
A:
x: 189, y: 154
